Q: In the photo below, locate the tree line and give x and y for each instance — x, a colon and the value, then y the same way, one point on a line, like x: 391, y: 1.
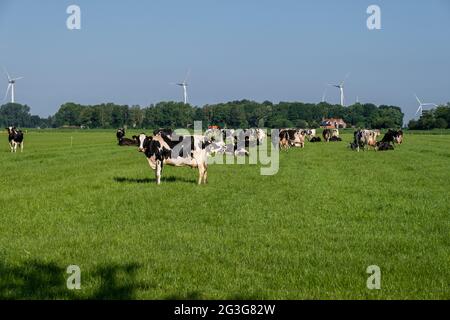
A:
x: 235, y: 114
x: 438, y: 118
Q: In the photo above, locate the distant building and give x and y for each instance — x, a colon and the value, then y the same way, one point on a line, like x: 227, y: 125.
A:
x: 333, y: 123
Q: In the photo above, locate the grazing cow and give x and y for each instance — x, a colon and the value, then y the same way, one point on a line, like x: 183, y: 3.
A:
x: 315, y: 139
x: 15, y: 138
x: 178, y: 151
x: 125, y: 142
x: 331, y: 135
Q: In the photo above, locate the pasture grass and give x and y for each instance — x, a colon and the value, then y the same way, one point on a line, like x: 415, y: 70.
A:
x: 308, y: 232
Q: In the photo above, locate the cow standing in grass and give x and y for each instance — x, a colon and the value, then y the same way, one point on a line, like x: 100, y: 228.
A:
x: 15, y: 138
x: 178, y: 151
x: 363, y: 139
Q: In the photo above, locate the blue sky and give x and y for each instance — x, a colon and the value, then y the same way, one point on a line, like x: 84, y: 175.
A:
x: 128, y: 52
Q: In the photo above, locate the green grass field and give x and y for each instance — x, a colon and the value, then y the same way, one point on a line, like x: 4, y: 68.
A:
x: 309, y: 232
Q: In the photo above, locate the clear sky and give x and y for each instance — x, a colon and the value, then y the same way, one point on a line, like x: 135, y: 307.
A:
x: 128, y: 52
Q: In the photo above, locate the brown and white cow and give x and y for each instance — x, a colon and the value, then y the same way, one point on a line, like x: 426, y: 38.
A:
x: 178, y: 151
x: 331, y: 135
x: 295, y: 137
x: 363, y: 139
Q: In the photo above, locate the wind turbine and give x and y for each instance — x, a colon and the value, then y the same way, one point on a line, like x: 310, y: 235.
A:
x: 11, y: 86
x: 421, y: 105
x: 341, y: 88
x: 184, y: 85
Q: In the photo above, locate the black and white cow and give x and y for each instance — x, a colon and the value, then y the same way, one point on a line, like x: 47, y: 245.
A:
x: 120, y: 134
x: 393, y: 136
x: 125, y: 142
x: 15, y: 138
x: 178, y: 151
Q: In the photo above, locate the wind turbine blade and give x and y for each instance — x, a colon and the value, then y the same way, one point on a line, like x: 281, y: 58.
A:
x: 7, y: 91
x: 19, y: 78
x: 418, y: 100
x: 420, y: 110
x: 187, y: 75
x: 7, y: 74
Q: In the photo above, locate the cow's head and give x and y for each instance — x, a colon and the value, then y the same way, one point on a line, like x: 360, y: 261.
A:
x: 120, y: 133
x: 143, y: 141
x: 399, y: 137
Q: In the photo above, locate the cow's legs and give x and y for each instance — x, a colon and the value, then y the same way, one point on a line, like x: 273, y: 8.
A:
x: 205, y: 174
x: 201, y: 172
x: 158, y: 171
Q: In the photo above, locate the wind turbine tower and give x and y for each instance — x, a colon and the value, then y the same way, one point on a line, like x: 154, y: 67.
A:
x: 11, y: 87
x: 341, y: 89
x: 184, y: 85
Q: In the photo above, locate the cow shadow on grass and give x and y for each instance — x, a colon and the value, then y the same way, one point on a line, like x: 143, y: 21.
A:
x: 37, y: 280
x: 170, y: 179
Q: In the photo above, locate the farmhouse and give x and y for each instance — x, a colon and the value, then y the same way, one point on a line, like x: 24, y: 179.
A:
x: 333, y: 123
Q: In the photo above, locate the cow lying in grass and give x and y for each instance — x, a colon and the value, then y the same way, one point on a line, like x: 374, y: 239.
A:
x: 125, y: 142
x: 363, y: 139
x: 292, y: 138
x: 384, y: 146
x: 15, y: 138
x: 393, y: 136
x: 331, y: 135
x: 315, y: 139
x: 178, y: 151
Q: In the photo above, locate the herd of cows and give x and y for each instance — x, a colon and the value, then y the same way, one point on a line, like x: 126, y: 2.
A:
x: 167, y: 148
